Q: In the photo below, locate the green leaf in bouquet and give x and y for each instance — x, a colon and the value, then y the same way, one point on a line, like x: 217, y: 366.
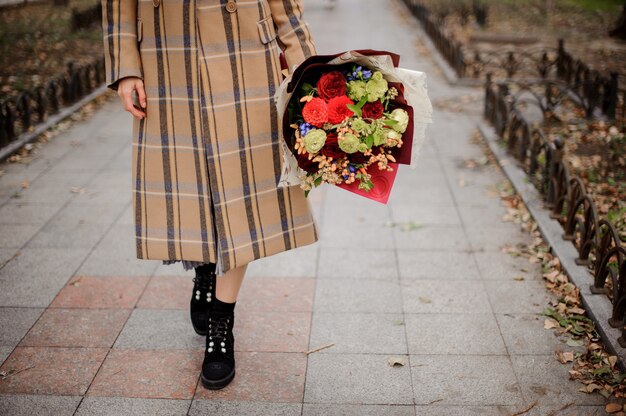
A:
x: 318, y: 181
x: 306, y: 193
x: 369, y: 141
x: 366, y: 185
x: 307, y: 89
x: 391, y: 123
x: 356, y: 108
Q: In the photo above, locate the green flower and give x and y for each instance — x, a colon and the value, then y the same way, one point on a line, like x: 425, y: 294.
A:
x: 314, y: 140
x: 356, y: 90
x: 376, y: 88
x: 350, y: 143
x: 380, y: 137
x: 402, y: 118
x: 377, y: 76
x: 359, y: 125
x: 393, y: 135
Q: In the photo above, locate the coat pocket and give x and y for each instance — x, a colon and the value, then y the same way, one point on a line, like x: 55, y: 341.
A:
x: 139, y: 29
x: 267, y: 31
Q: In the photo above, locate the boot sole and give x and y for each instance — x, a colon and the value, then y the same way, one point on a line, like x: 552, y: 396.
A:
x: 217, y: 384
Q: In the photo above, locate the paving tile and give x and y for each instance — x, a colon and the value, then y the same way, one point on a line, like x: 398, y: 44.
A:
x: 29, y: 405
x: 167, y: 374
x: 101, y: 292
x: 46, y: 370
x: 414, y: 264
x: 565, y: 410
x: 365, y: 236
x: 68, y: 234
x: 7, y: 254
x: 18, y: 212
x: 369, y: 333
x: 276, y: 294
x: 35, y: 276
x: 263, y: 377
x: 527, y: 296
x: 271, y: 331
x: 483, y: 214
x: 15, y: 323
x: 546, y: 380
x: 16, y: 235
x: 425, y: 214
x: 503, y: 266
x: 159, y: 329
x: 175, y: 269
x: 243, y: 408
x: 358, y: 379
x: 465, y: 380
x: 357, y: 295
x: 116, y: 406
x: 4, y: 353
x: 116, y: 261
x: 444, y: 296
x: 495, y: 236
x: 432, y: 238
x: 76, y: 328
x: 461, y: 333
x: 167, y: 292
x: 310, y: 409
x: 436, y: 410
x: 298, y: 262
x: 356, y: 264
x: 524, y: 335
x: 433, y: 195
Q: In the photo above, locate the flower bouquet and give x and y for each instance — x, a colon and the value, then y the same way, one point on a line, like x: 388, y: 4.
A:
x: 349, y: 120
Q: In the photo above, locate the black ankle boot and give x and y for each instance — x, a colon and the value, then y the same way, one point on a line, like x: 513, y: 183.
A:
x: 218, y: 367
x: 202, y: 297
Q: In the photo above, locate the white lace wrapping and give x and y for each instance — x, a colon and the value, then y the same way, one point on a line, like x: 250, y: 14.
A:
x: 415, y: 93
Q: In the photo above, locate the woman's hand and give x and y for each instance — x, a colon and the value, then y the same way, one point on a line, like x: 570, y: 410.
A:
x: 125, y: 90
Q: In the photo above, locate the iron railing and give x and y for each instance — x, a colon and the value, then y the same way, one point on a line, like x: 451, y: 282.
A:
x: 21, y: 113
x: 596, y: 239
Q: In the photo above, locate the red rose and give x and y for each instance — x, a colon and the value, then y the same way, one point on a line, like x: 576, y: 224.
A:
x: 315, y: 112
x: 372, y: 110
x: 358, y: 157
x: 337, y: 110
x: 331, y: 147
x: 306, y: 164
x: 331, y: 84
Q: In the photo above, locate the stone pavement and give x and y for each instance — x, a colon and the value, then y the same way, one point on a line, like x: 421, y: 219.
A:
x: 90, y: 330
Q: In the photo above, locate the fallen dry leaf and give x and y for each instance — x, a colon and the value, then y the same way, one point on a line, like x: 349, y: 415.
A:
x: 550, y: 323
x: 565, y: 356
x: 613, y: 407
x: 394, y: 361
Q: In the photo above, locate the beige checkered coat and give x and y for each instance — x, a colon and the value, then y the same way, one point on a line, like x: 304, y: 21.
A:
x: 206, y: 158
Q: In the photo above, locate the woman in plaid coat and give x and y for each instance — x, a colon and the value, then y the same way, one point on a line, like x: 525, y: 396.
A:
x: 199, y: 78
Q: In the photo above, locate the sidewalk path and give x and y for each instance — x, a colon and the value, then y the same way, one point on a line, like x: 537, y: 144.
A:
x: 90, y: 330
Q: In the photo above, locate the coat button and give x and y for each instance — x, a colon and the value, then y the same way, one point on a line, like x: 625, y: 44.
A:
x: 231, y: 6
x: 156, y: 3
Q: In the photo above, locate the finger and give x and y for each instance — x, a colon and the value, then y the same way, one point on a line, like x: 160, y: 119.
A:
x: 128, y: 103
x: 141, y: 92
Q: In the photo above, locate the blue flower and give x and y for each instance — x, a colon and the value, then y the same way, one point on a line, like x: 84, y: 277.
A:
x: 304, y: 128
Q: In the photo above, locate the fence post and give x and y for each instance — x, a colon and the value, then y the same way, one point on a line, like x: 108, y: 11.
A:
x: 612, y: 96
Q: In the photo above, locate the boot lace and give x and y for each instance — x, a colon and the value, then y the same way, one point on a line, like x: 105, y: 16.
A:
x: 202, y: 284
x: 218, y: 333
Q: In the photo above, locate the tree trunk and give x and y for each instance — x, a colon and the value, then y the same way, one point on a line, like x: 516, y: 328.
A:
x: 620, y: 28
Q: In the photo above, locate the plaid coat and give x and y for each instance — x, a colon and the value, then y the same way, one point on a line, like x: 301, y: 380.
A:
x: 206, y: 158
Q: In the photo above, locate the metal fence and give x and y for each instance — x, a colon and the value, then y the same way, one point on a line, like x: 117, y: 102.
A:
x: 600, y: 92
x: 31, y: 107
x: 596, y: 239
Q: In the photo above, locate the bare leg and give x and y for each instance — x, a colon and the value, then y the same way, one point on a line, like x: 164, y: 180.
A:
x: 227, y: 286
